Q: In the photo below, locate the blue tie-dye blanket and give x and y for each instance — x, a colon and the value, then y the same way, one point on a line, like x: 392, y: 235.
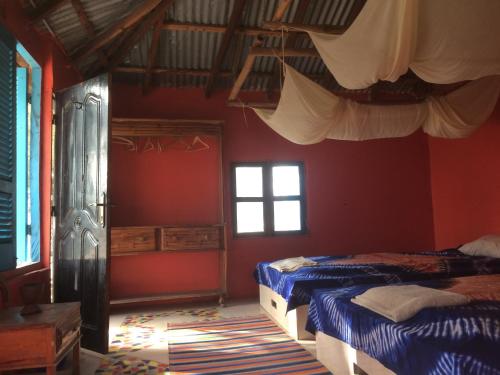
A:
x: 382, y: 268
x: 454, y: 340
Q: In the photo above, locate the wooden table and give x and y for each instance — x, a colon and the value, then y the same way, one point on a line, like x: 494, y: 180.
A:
x: 40, y: 340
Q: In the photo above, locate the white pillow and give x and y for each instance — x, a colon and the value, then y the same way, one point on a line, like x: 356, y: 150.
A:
x: 488, y: 246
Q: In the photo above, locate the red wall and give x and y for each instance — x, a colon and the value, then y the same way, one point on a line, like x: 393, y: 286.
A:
x: 361, y: 196
x: 161, y: 188
x: 56, y: 74
x: 169, y: 187
x: 465, y: 178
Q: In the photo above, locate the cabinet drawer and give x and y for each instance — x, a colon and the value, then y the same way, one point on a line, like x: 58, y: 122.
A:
x: 191, y: 238
x: 133, y: 239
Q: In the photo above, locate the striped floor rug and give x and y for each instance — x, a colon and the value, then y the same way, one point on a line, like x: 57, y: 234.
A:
x: 250, y: 345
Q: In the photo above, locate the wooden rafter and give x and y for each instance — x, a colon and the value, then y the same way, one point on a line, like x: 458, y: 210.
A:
x: 291, y: 41
x: 287, y: 52
x: 194, y: 72
x: 153, y: 49
x: 298, y: 23
x: 112, y: 32
x: 255, y: 51
x: 282, y: 7
x: 46, y: 9
x: 265, y: 105
x: 245, y: 71
x: 167, y: 71
x: 136, y: 36
x: 292, y: 28
x: 234, y: 21
x: 85, y: 21
x: 207, y: 28
x: 278, y: 15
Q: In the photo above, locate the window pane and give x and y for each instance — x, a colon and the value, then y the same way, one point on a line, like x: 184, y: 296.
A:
x: 248, y: 182
x: 287, y: 215
x: 286, y: 181
x: 249, y: 217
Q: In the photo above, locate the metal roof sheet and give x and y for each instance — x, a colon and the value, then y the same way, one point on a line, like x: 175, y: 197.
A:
x: 197, y: 50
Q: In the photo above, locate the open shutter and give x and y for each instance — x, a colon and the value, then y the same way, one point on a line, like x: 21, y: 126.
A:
x: 7, y: 150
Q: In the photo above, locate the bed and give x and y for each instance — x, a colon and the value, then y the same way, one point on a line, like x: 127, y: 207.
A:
x: 461, y: 339
x: 285, y: 296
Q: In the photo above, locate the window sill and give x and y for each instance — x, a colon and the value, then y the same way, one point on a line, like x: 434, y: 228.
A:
x: 6, y: 275
x: 237, y: 236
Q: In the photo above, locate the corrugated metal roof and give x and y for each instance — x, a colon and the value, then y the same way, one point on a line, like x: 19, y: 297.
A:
x: 197, y: 50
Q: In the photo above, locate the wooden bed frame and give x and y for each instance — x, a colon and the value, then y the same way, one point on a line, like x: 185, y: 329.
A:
x: 336, y: 355
x: 342, y: 359
x: 294, y: 322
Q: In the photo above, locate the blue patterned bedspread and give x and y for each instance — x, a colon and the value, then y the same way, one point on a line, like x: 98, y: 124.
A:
x: 383, y: 268
x: 448, y: 340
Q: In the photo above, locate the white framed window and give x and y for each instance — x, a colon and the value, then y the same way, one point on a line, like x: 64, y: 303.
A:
x: 268, y: 198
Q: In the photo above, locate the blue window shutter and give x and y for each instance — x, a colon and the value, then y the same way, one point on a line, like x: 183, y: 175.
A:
x: 35, y: 160
x: 21, y: 163
x: 34, y: 149
x: 7, y: 150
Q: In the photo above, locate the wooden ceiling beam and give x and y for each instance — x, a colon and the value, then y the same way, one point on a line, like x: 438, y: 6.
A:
x: 250, y: 31
x: 293, y: 28
x: 290, y: 43
x: 234, y: 21
x: 112, y: 32
x: 42, y: 12
x: 282, y: 7
x: 168, y: 71
x: 153, y: 49
x: 287, y: 52
x: 264, y: 105
x: 255, y: 51
x: 298, y: 24
x: 46, y: 9
x: 85, y: 21
x: 136, y: 36
x: 189, y: 72
x: 278, y: 15
x: 245, y: 71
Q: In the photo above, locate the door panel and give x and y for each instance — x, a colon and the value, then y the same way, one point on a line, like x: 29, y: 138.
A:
x: 66, y: 162
x: 81, y: 264
x: 91, y: 160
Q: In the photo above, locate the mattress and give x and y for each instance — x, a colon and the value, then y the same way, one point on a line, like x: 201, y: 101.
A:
x: 452, y: 340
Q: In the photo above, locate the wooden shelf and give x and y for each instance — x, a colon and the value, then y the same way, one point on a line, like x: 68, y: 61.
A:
x: 170, y: 297
x: 137, y: 127
x: 171, y: 238
x: 132, y: 252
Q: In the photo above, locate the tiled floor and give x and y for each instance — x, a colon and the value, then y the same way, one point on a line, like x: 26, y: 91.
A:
x: 138, y: 338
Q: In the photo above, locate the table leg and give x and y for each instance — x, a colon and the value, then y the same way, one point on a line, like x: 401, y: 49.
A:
x: 76, y: 359
x: 51, y: 370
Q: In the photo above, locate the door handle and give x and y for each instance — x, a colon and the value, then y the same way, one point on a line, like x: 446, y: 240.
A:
x: 101, y: 213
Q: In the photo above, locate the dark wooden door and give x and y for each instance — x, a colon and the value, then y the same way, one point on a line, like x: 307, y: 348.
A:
x: 81, y: 258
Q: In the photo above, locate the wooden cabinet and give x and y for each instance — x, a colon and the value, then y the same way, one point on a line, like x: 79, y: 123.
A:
x: 40, y: 340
